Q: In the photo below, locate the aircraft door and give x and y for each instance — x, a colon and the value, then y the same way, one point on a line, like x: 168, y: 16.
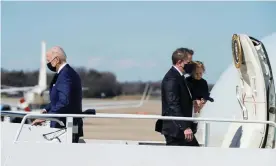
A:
x: 255, y: 94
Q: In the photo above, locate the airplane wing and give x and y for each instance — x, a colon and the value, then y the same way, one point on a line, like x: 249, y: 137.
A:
x: 17, y: 113
x: 17, y: 89
x: 84, y: 88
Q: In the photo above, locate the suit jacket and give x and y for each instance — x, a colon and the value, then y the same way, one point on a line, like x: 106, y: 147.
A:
x: 66, y: 96
x: 176, y: 101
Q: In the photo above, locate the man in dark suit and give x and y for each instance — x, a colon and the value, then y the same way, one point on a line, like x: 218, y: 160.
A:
x: 177, y: 101
x: 65, y: 91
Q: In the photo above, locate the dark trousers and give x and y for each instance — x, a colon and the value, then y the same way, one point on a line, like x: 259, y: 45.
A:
x: 75, y: 138
x: 173, y: 141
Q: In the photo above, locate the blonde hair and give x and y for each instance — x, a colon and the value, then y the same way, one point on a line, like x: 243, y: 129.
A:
x: 198, y: 64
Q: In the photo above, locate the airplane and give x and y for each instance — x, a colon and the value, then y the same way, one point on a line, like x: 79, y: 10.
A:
x: 34, y: 94
x: 248, y: 53
x: 250, y: 94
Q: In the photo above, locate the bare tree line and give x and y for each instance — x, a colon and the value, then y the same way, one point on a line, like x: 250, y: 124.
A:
x: 98, y: 83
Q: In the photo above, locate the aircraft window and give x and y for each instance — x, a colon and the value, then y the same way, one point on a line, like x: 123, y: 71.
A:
x: 255, y: 41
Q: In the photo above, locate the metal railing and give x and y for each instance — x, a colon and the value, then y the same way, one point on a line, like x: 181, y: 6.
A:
x: 18, y: 115
x: 244, y: 110
x: 132, y: 116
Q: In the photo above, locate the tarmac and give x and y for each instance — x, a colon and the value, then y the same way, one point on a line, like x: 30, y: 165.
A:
x: 125, y: 129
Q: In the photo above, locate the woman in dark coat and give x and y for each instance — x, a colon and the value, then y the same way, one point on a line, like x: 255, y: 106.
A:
x: 199, y: 86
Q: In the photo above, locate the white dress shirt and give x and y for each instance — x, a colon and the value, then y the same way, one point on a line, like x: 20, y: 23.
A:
x: 62, y: 66
x: 181, y: 73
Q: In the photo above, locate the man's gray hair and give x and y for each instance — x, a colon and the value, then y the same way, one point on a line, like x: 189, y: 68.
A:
x: 58, y: 51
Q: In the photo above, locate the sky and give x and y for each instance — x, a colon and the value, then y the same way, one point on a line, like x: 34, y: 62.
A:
x: 134, y: 40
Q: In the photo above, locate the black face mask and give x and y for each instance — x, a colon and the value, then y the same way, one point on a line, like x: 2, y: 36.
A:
x: 188, y: 68
x: 50, y: 67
